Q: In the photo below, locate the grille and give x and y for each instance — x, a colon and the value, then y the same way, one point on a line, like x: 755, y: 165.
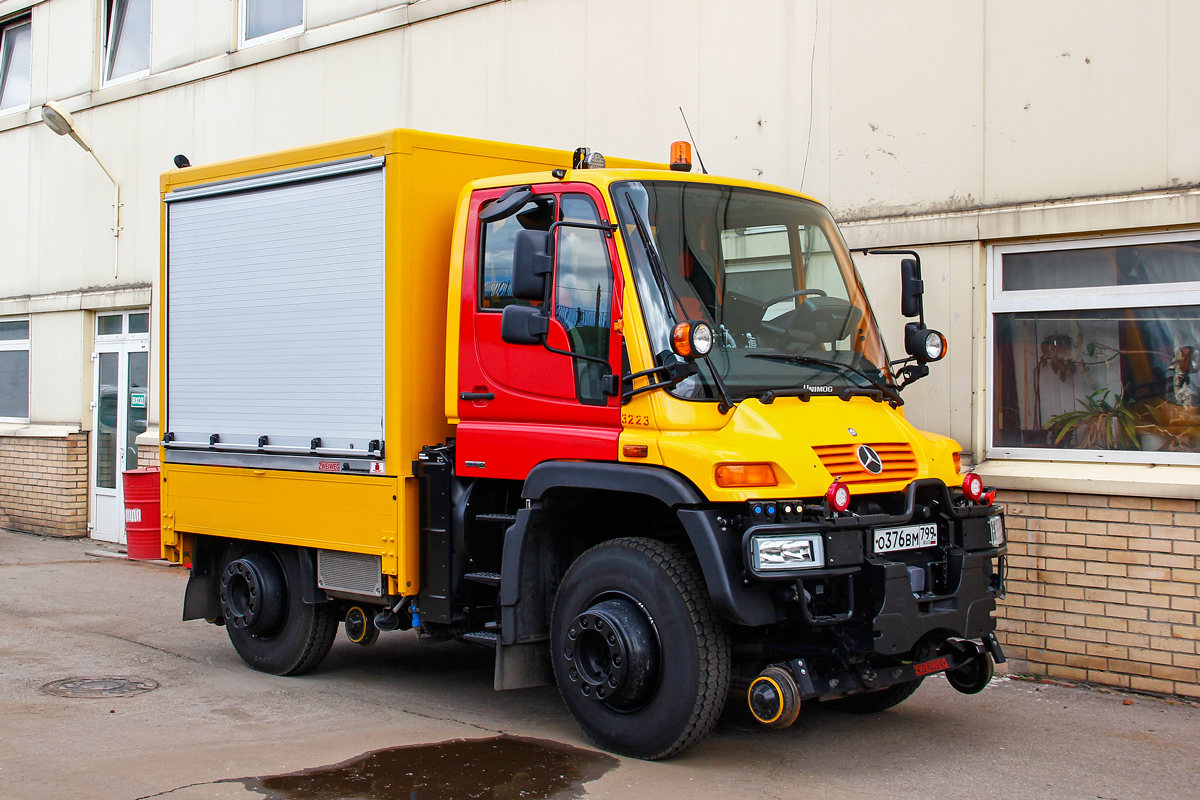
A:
x: 350, y: 572
x: 899, y: 463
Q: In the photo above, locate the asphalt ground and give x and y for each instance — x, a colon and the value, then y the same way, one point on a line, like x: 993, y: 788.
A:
x: 213, y: 721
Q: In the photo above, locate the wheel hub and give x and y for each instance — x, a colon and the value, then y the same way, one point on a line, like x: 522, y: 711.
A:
x: 613, y: 653
x: 253, y: 594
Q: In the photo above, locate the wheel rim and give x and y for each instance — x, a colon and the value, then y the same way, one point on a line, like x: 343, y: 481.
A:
x: 254, y: 594
x: 613, y: 653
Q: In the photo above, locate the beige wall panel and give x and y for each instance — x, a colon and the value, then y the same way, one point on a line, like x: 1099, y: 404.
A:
x: 20, y: 220
x: 361, y: 86
x: 56, y: 380
x: 289, y: 101
x: 907, y: 107
x: 941, y: 402
x: 1076, y: 98
x: 1183, y: 92
x: 186, y: 31
x: 324, y: 12
x: 69, y: 39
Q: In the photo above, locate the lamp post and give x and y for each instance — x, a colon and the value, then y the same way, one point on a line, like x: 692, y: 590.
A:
x: 59, y: 120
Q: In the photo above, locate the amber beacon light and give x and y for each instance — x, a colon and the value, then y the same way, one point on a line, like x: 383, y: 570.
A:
x: 681, y: 156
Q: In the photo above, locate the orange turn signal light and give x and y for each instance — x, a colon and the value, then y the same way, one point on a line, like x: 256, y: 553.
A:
x: 681, y: 156
x: 730, y: 476
x: 958, y: 462
x: 635, y: 450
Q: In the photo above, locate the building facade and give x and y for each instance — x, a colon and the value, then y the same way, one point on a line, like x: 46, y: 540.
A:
x: 1041, y: 158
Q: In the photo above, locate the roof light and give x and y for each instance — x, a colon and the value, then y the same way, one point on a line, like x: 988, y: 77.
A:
x: 681, y: 156
x: 731, y: 476
x: 838, y: 496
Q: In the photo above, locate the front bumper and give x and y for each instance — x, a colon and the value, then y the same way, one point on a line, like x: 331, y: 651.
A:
x: 887, y: 602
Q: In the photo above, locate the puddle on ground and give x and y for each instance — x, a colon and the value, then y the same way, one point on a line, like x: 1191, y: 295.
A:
x: 500, y: 768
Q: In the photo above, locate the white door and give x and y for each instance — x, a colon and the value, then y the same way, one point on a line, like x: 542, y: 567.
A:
x: 120, y: 405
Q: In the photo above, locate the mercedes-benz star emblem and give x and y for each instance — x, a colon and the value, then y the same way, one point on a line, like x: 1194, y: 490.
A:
x: 870, y: 460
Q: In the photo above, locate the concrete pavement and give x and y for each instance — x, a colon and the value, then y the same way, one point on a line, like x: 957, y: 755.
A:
x: 64, y: 613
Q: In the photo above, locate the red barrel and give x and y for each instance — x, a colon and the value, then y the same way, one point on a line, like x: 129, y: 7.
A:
x: 142, y: 520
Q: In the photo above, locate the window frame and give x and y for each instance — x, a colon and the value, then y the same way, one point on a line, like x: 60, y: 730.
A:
x: 19, y: 345
x: 274, y: 36
x: 1089, y: 298
x: 106, y: 40
x: 5, y: 27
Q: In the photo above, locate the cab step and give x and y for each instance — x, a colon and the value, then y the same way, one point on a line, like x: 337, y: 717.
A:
x: 495, y: 517
x: 486, y: 578
x: 482, y: 638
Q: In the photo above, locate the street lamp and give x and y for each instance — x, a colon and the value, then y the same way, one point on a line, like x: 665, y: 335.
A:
x: 59, y: 120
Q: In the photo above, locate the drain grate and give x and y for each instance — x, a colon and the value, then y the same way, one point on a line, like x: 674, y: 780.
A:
x: 99, y: 688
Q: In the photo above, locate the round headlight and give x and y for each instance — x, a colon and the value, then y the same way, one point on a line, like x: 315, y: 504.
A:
x: 702, y: 339
x: 935, y: 345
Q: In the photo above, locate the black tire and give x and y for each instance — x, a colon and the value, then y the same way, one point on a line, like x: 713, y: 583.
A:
x: 303, y: 637
x: 880, y: 700
x: 670, y: 706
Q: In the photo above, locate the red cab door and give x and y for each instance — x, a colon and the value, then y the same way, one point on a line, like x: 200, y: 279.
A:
x: 542, y: 405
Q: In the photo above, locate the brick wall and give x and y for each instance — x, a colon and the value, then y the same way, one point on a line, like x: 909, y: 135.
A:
x: 44, y: 484
x: 1103, y: 589
x: 147, y: 455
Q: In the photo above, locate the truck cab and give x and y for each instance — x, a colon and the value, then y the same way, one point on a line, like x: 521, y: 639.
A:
x: 674, y: 468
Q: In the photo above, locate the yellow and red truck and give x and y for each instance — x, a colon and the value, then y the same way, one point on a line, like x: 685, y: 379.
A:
x: 632, y: 427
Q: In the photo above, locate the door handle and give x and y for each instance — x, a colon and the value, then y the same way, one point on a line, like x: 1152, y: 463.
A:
x: 472, y: 396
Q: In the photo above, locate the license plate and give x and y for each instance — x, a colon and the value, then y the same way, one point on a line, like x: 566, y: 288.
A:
x: 910, y: 537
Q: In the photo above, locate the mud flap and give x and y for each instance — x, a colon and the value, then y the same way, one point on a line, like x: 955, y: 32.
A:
x: 523, y: 666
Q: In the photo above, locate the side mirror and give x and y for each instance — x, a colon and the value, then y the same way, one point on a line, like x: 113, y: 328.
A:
x: 923, y: 344
x: 506, y: 204
x: 523, y: 325
x: 911, y: 288
x: 532, y: 264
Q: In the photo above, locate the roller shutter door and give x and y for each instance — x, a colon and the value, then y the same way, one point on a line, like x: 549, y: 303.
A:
x: 275, y: 323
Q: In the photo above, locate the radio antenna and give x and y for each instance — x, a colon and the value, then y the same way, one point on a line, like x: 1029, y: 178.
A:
x: 693, y: 138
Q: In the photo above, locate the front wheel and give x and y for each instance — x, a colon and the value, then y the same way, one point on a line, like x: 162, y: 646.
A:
x: 268, y: 622
x: 639, y: 652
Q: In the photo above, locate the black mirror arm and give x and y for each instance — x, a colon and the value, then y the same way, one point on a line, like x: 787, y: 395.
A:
x: 871, y: 251
x: 664, y: 377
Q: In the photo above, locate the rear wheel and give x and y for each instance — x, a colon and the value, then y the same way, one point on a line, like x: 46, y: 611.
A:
x: 268, y: 622
x: 639, y: 652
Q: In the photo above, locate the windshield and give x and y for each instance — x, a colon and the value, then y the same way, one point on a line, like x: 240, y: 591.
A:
x: 769, y: 272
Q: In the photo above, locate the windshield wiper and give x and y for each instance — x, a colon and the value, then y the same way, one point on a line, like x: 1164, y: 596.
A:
x: 876, y: 386
x: 664, y: 288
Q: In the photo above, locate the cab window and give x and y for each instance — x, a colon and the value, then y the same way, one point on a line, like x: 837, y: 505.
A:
x: 496, y: 249
x: 583, y: 290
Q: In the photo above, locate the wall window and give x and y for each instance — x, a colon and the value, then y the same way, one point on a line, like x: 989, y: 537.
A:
x: 1095, y: 350
x: 126, y: 39
x: 15, y: 41
x: 264, y: 20
x: 14, y: 370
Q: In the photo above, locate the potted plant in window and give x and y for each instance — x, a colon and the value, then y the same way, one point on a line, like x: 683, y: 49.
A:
x: 1104, y: 423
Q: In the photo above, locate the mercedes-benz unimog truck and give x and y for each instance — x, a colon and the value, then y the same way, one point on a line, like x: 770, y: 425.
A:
x: 630, y: 427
